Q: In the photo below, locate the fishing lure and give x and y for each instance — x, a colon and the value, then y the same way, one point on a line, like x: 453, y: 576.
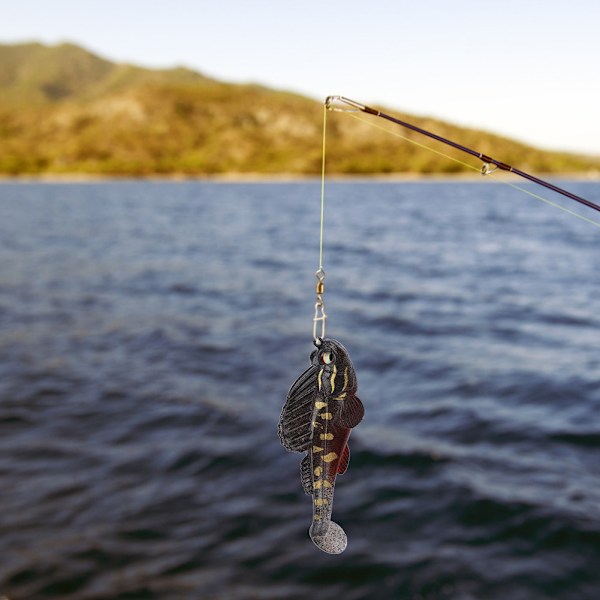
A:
x: 320, y: 411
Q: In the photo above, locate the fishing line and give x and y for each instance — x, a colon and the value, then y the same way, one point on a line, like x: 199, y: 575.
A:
x: 549, y: 202
x: 407, y: 139
x: 322, y: 187
x: 485, y: 170
x: 320, y: 316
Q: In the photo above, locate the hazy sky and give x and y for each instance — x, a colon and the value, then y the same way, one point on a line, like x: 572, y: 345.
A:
x: 527, y: 69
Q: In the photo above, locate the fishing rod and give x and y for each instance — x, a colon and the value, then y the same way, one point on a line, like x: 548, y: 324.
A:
x: 330, y: 104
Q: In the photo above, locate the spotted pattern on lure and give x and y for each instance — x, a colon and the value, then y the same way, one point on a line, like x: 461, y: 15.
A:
x: 320, y: 411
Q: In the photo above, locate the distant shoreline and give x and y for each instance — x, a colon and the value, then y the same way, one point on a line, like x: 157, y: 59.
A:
x: 69, y: 115
x: 285, y: 178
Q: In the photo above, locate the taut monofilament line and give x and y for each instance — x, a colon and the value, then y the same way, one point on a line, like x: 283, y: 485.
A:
x: 341, y: 104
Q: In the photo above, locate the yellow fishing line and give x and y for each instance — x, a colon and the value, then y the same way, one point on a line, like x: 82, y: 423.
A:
x: 545, y: 200
x: 322, y: 189
x: 474, y: 168
x: 407, y: 139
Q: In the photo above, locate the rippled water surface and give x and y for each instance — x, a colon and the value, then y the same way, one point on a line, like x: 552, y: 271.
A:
x: 149, y: 333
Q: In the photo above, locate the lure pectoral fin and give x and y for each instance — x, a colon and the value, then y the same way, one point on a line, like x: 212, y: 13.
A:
x: 352, y: 412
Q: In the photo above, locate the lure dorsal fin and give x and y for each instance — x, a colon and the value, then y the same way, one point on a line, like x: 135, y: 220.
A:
x: 344, y: 461
x: 352, y: 412
x: 295, y: 421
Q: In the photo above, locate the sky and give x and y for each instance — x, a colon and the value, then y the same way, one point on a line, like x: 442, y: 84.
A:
x: 529, y: 70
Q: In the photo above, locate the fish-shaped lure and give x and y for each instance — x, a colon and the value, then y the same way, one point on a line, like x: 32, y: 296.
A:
x: 317, y: 417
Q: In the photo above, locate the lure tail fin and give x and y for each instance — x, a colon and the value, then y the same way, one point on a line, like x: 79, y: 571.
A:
x: 329, y: 537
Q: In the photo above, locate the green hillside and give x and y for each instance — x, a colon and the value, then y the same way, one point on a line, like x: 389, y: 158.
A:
x: 65, y: 110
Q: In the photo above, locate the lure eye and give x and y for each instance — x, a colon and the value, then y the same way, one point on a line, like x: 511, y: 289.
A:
x: 327, y: 358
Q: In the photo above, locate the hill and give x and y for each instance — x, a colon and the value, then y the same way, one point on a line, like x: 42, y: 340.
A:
x: 66, y: 110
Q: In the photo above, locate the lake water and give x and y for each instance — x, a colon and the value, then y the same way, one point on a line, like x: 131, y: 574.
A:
x: 149, y: 333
